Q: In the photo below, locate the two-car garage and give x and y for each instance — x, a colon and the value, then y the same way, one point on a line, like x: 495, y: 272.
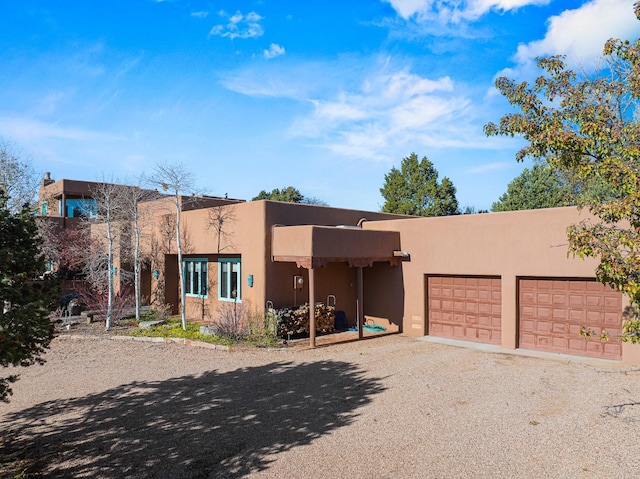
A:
x: 550, y: 313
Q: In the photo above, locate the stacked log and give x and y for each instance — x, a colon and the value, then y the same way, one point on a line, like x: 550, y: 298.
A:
x: 294, y: 320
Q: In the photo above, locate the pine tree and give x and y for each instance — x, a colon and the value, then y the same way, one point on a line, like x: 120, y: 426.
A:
x: 25, y: 327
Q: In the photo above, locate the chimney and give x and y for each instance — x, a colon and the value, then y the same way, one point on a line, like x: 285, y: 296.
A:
x: 47, y: 179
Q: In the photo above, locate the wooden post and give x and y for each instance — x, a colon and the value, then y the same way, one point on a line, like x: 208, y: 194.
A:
x: 312, y: 308
x: 359, y: 305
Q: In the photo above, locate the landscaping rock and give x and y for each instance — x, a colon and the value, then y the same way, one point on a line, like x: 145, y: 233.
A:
x: 209, y: 330
x: 150, y: 324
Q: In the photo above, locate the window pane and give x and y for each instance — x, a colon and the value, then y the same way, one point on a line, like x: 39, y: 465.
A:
x: 224, y: 280
x: 194, y: 278
x: 188, y: 272
x: 203, y: 279
x: 235, y: 276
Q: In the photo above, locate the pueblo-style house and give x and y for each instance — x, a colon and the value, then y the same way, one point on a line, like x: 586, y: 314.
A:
x: 501, y: 279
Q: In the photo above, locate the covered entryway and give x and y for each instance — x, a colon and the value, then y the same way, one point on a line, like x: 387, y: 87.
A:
x: 465, y: 307
x: 312, y: 247
x: 551, y: 313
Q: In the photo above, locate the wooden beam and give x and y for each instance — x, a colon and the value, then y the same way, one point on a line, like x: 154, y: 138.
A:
x: 312, y: 308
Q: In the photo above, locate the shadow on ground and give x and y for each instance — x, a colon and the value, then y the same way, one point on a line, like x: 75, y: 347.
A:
x: 215, y: 425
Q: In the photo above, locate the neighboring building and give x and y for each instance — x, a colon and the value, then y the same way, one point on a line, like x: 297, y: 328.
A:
x: 500, y: 278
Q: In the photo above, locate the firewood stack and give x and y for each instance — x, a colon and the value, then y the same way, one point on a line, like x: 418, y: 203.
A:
x: 295, y: 320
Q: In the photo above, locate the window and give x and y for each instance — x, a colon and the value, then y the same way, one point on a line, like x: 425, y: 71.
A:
x: 229, y: 279
x: 195, y: 277
x: 45, y: 209
x: 82, y: 208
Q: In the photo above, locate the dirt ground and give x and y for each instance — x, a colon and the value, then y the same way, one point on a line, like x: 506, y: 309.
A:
x: 390, y: 407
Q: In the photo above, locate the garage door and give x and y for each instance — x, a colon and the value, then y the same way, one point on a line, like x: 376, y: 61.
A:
x: 552, y: 311
x: 462, y: 307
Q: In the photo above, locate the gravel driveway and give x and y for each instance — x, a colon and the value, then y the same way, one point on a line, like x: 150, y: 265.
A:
x: 392, y: 407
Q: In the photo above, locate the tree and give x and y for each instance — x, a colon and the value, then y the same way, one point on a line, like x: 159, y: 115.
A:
x: 25, y: 327
x: 176, y: 179
x: 137, y: 219
x: 288, y: 195
x: 106, y: 237
x: 588, y: 127
x: 17, y: 179
x: 414, y: 190
x: 538, y: 187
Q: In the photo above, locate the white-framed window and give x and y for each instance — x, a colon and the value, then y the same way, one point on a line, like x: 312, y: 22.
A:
x: 229, y: 279
x: 196, y: 277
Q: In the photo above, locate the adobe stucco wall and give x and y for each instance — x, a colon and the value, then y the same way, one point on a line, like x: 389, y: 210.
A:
x: 247, y: 234
x: 508, y: 245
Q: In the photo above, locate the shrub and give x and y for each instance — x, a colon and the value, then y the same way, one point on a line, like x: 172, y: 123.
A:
x: 96, y: 300
x: 232, y: 319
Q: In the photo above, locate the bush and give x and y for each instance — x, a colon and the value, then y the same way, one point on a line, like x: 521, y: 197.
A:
x: 263, y: 328
x: 97, y: 300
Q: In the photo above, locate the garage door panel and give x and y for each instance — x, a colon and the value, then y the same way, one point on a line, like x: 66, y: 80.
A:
x: 543, y: 313
x: 613, y: 303
x: 553, y: 311
x: 559, y: 328
x: 594, y: 301
x: 560, y: 314
x: 470, y: 310
x: 576, y: 300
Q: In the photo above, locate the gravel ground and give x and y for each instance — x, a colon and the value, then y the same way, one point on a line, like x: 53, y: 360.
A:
x: 392, y: 407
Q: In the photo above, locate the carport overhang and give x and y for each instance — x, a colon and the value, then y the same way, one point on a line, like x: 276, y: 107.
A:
x: 312, y: 247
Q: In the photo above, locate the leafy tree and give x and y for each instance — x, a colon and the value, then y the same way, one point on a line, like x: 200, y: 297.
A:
x: 288, y: 195
x: 414, y: 190
x: 25, y: 327
x: 588, y: 127
x: 538, y: 187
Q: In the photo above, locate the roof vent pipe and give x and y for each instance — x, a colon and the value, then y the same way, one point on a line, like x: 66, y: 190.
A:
x: 360, y: 221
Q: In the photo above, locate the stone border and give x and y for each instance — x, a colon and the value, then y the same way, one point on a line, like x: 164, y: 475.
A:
x: 184, y: 341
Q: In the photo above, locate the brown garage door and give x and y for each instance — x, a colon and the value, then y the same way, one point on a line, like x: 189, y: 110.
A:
x: 462, y: 307
x: 552, y: 311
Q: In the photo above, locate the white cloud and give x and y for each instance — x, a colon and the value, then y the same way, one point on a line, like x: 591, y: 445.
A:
x: 30, y: 130
x: 390, y: 111
x: 581, y: 33
x: 455, y: 11
x: 370, y: 109
x: 200, y: 14
x: 273, y: 51
x: 239, y: 26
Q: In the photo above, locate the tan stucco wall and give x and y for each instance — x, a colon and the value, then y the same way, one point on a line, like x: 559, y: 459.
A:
x: 508, y: 245
x: 248, y: 235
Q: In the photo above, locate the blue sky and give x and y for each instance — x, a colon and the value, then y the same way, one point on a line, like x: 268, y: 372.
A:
x: 323, y: 95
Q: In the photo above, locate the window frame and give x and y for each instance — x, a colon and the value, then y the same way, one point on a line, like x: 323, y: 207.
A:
x: 190, y: 273
x: 228, y: 282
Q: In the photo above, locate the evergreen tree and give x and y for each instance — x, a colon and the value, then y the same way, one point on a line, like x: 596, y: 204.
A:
x: 538, y: 187
x: 25, y: 327
x: 414, y: 190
